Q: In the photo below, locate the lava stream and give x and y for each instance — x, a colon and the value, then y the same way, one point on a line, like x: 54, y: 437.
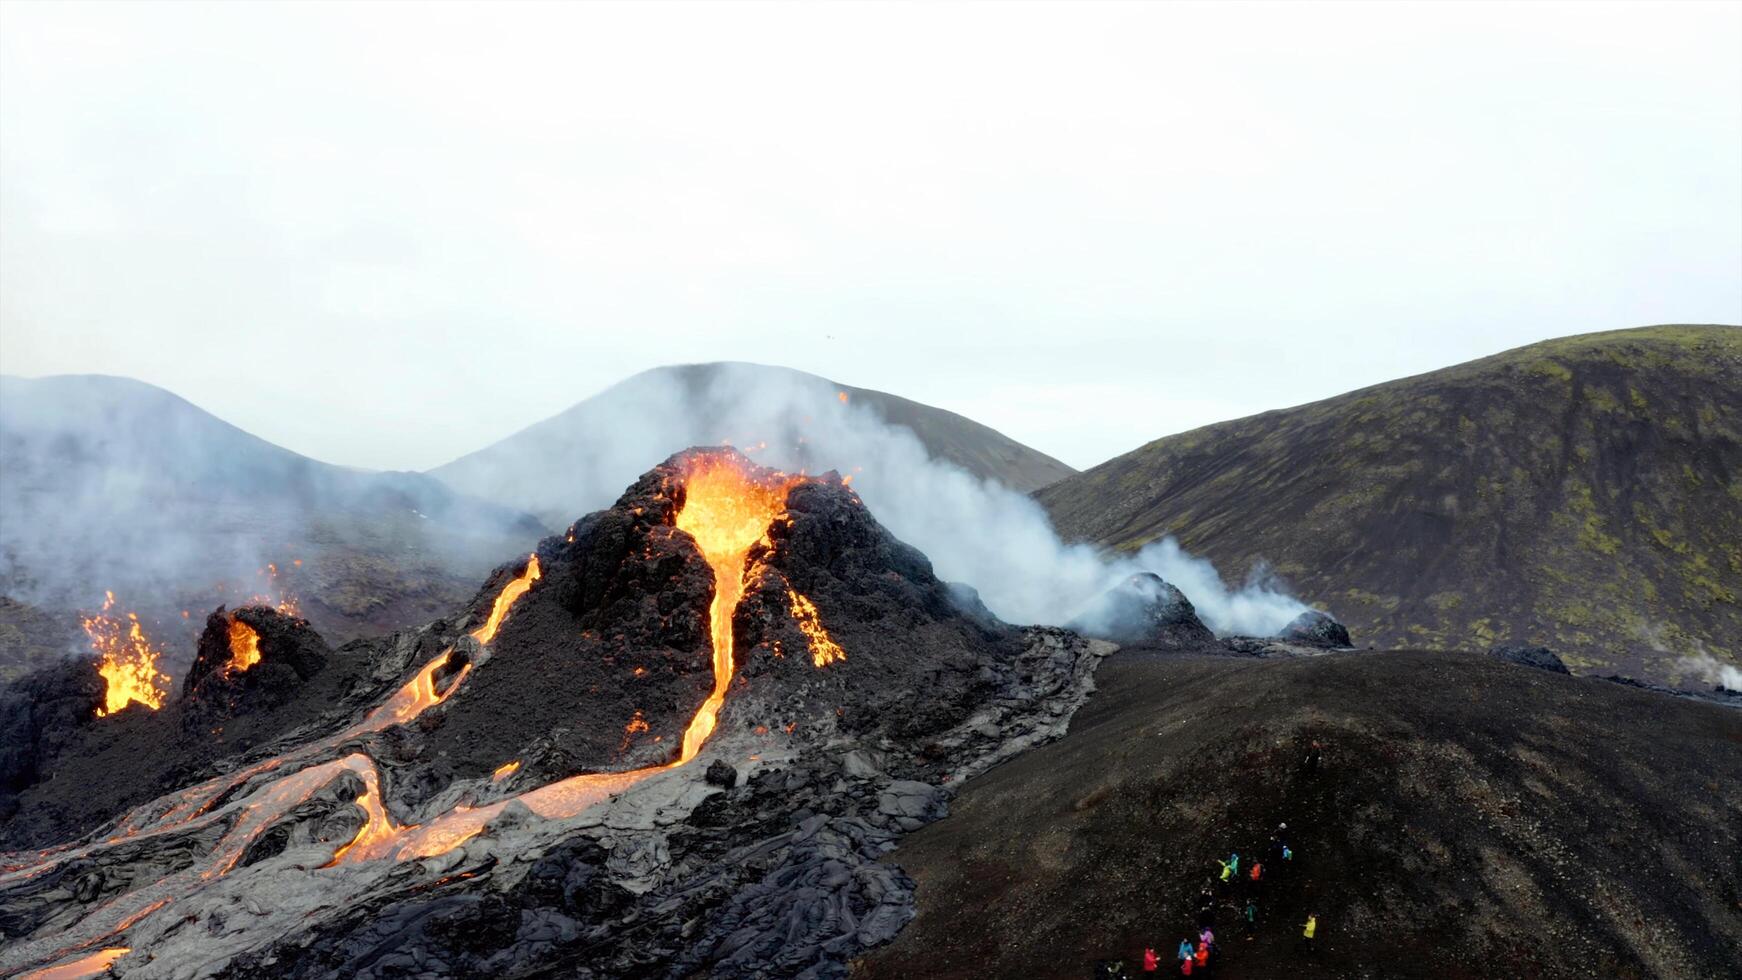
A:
x: 246, y: 814
x: 91, y: 965
x: 505, y: 600
x: 726, y: 513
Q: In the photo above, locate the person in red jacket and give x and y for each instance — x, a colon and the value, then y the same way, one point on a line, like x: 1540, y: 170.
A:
x: 1185, y: 967
x: 1202, y: 955
x: 1150, y: 961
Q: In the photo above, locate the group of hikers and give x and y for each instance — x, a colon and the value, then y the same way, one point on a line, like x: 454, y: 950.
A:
x: 1245, y: 881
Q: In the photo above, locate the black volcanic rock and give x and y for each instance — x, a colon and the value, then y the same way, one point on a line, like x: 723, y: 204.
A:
x: 290, y: 653
x: 720, y: 773
x: 600, y: 664
x: 1437, y: 769
x: 1541, y: 658
x: 88, y: 770
x: 41, y: 714
x: 1316, y: 629
x: 902, y: 629
x: 1145, y: 610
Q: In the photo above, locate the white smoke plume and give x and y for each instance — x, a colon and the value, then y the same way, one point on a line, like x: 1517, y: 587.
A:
x: 1713, y: 671
x: 977, y: 532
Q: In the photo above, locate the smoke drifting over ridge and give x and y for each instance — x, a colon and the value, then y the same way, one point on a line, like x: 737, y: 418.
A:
x: 111, y: 483
x: 975, y: 531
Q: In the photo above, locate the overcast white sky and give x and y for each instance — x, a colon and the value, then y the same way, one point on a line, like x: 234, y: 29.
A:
x: 388, y: 235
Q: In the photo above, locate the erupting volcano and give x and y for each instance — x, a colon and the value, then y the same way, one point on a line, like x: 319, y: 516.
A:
x: 727, y: 510
x: 558, y: 715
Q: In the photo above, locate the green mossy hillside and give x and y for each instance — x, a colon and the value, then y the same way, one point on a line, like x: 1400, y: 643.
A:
x: 1584, y: 493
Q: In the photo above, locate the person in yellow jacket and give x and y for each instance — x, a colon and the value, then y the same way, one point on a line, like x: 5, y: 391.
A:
x: 1310, y: 932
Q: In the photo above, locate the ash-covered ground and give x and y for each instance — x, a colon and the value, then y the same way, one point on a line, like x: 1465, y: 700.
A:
x: 512, y: 796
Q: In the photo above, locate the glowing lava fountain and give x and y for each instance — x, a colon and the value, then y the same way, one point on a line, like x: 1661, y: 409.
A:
x: 126, y: 659
x: 726, y: 513
x: 244, y: 646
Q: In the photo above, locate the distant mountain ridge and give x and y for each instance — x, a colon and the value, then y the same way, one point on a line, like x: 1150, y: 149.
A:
x: 112, y: 483
x: 575, y: 460
x: 1584, y: 493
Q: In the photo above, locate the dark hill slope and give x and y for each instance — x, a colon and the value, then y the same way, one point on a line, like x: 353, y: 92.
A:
x: 111, y: 483
x: 577, y: 460
x: 1473, y: 819
x: 1583, y: 493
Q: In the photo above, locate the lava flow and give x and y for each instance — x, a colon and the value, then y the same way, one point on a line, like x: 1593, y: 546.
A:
x: 726, y: 512
x: 126, y: 659
x: 505, y: 599
x: 91, y: 965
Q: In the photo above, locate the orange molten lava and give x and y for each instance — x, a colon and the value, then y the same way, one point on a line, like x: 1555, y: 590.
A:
x: 824, y: 649
x: 505, y: 599
x: 377, y: 828
x: 505, y: 770
x: 244, y: 646
x: 92, y: 965
x: 126, y: 659
x: 726, y: 512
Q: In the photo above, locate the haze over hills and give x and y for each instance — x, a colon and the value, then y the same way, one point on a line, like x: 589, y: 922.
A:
x: 575, y: 461
x: 112, y: 483
x: 1584, y: 493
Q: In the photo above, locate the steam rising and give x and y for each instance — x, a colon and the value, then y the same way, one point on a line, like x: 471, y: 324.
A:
x: 975, y: 531
x: 112, y: 483
x: 1713, y: 671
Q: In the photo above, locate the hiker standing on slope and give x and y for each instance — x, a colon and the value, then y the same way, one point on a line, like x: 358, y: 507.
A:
x: 1309, y: 933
